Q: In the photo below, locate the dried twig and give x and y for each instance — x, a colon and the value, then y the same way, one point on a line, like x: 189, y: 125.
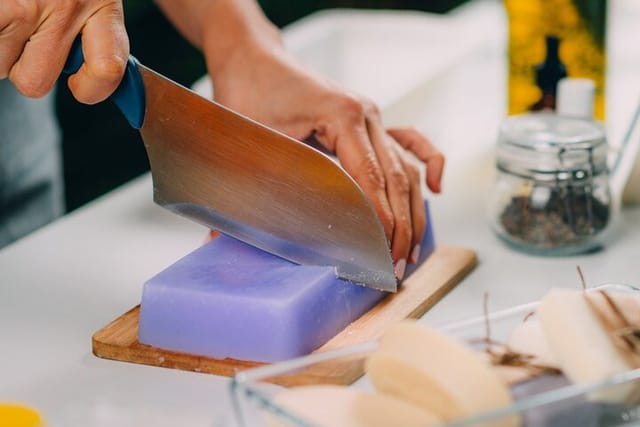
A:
x: 501, y: 354
x: 582, y: 281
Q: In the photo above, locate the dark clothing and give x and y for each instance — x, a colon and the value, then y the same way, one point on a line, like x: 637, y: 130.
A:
x: 31, y: 183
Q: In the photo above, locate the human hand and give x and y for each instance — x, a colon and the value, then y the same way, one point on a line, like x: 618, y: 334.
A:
x: 266, y: 84
x: 36, y: 37
x: 254, y: 75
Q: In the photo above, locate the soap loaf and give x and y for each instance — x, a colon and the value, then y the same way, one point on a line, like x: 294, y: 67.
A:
x: 231, y: 300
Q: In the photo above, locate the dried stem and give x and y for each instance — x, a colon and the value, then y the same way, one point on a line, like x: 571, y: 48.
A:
x: 528, y: 316
x: 582, y: 281
x: 629, y: 333
x: 500, y: 353
x: 487, y: 324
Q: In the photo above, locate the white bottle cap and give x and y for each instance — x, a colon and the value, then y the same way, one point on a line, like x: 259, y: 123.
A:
x: 575, y: 98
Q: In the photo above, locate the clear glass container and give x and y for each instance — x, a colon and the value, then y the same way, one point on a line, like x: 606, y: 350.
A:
x: 540, y: 402
x: 551, y: 194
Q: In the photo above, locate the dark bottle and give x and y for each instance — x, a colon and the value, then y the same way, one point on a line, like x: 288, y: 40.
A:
x: 548, y: 74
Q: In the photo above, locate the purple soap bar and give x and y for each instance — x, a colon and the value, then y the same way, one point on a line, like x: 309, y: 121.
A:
x: 230, y: 300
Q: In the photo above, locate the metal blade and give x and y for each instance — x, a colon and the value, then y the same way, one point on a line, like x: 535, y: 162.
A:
x: 232, y: 174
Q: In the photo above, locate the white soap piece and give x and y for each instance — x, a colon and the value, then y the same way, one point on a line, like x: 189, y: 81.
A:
x: 341, y: 406
x: 435, y: 372
x: 583, y: 347
x: 528, y: 338
x: 628, y: 303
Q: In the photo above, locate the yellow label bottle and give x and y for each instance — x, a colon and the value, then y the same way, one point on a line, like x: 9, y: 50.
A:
x: 576, y: 28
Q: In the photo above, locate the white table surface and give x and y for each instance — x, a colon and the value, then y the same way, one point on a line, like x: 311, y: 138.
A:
x: 64, y: 282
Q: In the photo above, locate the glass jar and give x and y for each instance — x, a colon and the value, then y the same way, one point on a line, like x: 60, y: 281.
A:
x: 551, y: 195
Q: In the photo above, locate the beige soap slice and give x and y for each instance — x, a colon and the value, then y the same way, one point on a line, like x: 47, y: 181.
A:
x: 341, y: 406
x: 584, y: 349
x: 435, y: 372
x: 528, y: 338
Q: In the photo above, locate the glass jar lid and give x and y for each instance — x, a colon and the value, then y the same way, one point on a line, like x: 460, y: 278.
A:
x: 546, y: 146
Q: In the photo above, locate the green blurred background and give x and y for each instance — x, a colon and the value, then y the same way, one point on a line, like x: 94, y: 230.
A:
x: 100, y: 150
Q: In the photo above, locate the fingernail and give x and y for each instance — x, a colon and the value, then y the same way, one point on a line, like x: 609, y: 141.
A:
x: 415, y: 254
x: 399, y: 268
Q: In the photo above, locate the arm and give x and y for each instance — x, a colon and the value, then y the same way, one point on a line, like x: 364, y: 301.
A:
x: 253, y: 74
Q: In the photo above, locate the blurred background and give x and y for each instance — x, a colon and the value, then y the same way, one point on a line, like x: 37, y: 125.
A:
x: 101, y: 151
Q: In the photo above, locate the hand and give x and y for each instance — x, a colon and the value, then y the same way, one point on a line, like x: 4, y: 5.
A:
x: 253, y: 75
x: 265, y: 83
x: 36, y: 36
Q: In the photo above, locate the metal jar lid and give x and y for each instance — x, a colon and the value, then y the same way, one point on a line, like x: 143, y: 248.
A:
x: 549, y: 147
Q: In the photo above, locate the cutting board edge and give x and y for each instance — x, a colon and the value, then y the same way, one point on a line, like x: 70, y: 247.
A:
x: 114, y: 342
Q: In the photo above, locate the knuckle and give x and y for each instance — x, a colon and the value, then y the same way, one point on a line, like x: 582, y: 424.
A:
x: 369, y: 170
x: 31, y: 87
x: 412, y: 172
x: 387, y: 218
x: 412, y: 130
x: 436, y: 159
x: 67, y: 7
x: 352, y: 108
x: 403, y: 230
x: 398, y: 180
x: 371, y: 109
x: 108, y: 69
x: 23, y: 11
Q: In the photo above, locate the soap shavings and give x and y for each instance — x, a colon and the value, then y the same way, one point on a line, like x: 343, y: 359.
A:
x: 500, y: 354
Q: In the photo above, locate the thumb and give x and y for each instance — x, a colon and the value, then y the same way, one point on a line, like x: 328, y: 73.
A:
x: 105, y: 46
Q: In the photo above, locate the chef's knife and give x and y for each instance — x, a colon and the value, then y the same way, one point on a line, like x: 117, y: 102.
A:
x: 251, y: 182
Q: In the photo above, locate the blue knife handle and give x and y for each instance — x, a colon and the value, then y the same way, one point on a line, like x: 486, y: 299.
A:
x: 129, y: 97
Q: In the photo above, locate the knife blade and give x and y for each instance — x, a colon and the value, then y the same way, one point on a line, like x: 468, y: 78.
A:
x: 233, y: 174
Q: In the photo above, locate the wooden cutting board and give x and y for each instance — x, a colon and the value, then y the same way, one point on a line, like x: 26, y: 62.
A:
x: 419, y: 292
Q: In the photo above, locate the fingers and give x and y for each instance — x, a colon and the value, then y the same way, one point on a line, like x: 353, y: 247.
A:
x: 13, y: 36
x: 423, y: 149
x: 398, y: 192
x: 12, y: 43
x: 106, y: 49
x: 40, y: 62
x: 383, y: 170
x: 347, y: 136
x: 18, y: 20
x: 36, y: 36
x: 418, y: 214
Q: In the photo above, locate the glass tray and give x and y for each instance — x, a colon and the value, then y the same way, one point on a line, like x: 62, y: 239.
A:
x: 542, y: 401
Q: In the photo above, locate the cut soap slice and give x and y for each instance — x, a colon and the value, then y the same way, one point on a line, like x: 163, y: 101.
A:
x: 435, y: 372
x: 340, y: 406
x: 528, y: 338
x: 230, y: 300
x: 584, y: 349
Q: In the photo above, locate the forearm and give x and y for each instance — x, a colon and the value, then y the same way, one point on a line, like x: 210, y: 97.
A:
x: 221, y: 27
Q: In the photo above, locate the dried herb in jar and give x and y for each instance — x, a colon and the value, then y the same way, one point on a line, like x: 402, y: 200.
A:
x: 566, y: 215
